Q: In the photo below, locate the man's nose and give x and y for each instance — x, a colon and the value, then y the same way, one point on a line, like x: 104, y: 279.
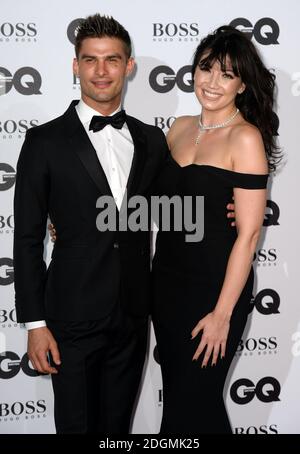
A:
x: 101, y: 67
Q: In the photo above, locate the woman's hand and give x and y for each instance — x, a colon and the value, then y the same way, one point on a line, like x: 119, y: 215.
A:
x: 52, y: 232
x: 215, y: 328
x: 231, y: 212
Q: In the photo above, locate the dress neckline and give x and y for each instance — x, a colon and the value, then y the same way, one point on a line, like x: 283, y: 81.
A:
x: 194, y: 164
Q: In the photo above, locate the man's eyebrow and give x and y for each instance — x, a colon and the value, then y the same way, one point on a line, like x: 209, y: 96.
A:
x: 116, y: 55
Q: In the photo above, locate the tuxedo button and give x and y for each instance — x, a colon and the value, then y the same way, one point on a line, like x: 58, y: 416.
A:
x: 116, y: 245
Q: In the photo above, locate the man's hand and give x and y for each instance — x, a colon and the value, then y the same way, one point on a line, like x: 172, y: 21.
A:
x: 40, y: 342
x: 231, y: 213
x: 52, y: 232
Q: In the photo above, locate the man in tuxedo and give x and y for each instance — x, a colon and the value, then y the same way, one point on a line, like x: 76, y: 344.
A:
x: 87, y: 313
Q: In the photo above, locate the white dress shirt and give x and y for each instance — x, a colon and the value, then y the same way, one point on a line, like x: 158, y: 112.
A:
x: 114, y: 148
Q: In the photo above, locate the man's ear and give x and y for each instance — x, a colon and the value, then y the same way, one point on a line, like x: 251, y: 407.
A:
x: 75, y: 67
x: 130, y: 66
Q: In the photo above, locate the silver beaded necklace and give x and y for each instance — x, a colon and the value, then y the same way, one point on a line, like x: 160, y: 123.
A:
x: 203, y: 128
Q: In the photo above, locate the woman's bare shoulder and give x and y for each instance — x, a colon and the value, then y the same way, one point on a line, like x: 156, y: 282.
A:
x: 247, y: 149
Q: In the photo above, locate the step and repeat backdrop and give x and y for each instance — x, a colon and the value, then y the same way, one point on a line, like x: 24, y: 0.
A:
x: 37, y: 84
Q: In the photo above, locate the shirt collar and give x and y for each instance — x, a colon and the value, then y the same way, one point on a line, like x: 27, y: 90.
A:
x: 86, y: 113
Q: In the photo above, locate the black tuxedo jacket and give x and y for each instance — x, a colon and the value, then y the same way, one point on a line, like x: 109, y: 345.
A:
x: 59, y: 174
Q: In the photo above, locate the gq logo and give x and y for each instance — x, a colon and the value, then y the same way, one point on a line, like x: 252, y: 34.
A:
x: 268, y: 307
x: 11, y: 364
x: 265, y: 31
x: 163, y: 79
x: 272, y: 214
x: 7, y: 176
x: 244, y: 390
x: 30, y: 86
x: 6, y: 271
x: 72, y: 27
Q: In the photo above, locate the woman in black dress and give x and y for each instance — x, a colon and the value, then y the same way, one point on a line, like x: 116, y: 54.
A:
x: 202, y: 290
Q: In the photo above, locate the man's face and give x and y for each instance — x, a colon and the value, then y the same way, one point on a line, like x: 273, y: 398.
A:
x: 102, y: 66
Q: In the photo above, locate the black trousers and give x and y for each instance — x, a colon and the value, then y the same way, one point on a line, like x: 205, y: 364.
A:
x: 100, y: 372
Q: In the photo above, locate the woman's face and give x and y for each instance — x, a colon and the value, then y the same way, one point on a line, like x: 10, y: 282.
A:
x: 215, y: 88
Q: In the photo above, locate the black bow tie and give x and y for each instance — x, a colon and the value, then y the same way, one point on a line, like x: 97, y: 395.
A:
x: 99, y: 122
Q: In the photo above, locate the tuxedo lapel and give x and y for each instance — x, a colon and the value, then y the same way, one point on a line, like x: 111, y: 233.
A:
x: 84, y: 149
x: 139, y: 156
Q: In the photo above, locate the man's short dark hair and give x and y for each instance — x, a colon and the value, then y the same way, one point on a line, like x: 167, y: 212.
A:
x: 97, y: 26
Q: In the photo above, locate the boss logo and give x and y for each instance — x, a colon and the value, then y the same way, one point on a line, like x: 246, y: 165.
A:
x: 26, y: 81
x: 263, y: 429
x: 11, y: 364
x: 258, y: 345
x: 164, y: 123
x: 163, y: 79
x: 160, y: 397
x: 6, y: 222
x: 266, y: 257
x: 266, y: 390
x: 76, y: 82
x: 265, y: 31
x: 8, y: 316
x: 6, y: 271
x: 18, y: 30
x: 30, y: 407
x: 171, y: 30
x: 13, y: 128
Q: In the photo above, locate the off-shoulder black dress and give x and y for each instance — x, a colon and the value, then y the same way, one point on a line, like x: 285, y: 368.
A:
x: 187, y: 280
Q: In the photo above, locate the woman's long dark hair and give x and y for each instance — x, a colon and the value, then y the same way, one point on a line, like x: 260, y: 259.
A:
x: 257, y: 100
